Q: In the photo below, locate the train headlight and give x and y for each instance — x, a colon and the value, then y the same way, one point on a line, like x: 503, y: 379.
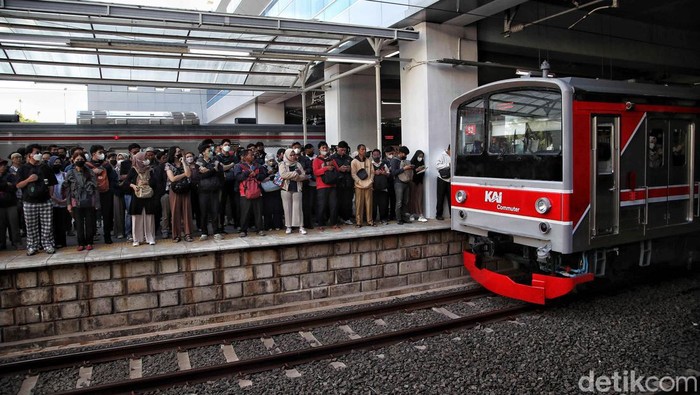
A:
x: 542, y: 205
x: 460, y: 196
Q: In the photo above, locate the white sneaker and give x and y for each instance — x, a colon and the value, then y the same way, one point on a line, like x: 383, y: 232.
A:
x: 302, y: 230
x: 203, y: 237
x: 347, y: 222
x: 135, y: 244
x: 218, y: 236
x: 288, y: 231
x: 152, y: 243
x: 422, y: 219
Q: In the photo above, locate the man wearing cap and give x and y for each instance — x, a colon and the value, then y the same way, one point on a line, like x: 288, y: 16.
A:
x: 35, y: 178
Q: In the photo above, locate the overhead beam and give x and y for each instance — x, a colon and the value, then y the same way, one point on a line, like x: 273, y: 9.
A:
x: 276, y: 26
x: 487, y: 10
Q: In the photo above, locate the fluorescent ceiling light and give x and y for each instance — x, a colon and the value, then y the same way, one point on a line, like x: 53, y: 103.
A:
x: 350, y: 60
x: 392, y: 54
x: 218, y: 52
x: 128, y: 45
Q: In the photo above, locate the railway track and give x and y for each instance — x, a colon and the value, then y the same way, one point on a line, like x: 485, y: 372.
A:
x: 30, y: 369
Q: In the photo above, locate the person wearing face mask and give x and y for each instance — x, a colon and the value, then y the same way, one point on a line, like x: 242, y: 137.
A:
x: 35, y: 178
x: 326, y: 195
x: 443, y: 183
x: 402, y: 170
x: 209, y: 169
x: 82, y: 199
x: 143, y: 209
x: 380, y: 193
x: 194, y: 191
x: 293, y: 175
x: 417, y: 187
x: 228, y: 199
x: 273, y: 211
x: 345, y: 188
x: 305, y: 158
x: 58, y: 200
x: 9, y: 214
x: 363, y: 176
x: 106, y: 179
x: 124, y: 187
x: 388, y: 156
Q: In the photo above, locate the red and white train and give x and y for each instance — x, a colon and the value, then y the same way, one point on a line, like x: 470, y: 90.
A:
x: 574, y: 179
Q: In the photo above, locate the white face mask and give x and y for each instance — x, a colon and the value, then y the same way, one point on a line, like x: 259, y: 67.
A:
x: 190, y: 160
x: 420, y: 158
x: 37, y: 157
x: 101, y: 157
x: 226, y: 148
x: 323, y: 152
x: 146, y: 162
x: 390, y: 156
x: 297, y: 151
x: 87, y: 156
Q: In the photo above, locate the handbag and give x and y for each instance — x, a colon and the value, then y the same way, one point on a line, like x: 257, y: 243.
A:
x: 270, y: 186
x: 182, y: 185
x: 445, y: 172
x: 362, y: 174
x: 143, y: 190
x: 330, y: 177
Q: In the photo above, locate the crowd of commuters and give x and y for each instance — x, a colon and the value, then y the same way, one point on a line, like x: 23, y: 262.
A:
x: 49, y: 195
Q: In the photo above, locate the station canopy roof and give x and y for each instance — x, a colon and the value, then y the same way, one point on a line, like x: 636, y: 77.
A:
x: 97, y: 43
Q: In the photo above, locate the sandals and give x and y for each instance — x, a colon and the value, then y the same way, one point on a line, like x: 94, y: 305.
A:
x: 176, y: 239
x: 188, y: 238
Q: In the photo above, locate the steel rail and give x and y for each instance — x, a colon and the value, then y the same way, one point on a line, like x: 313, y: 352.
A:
x: 207, y: 339
x: 291, y: 358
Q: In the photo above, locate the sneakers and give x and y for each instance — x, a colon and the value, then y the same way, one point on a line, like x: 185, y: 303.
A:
x: 399, y: 222
x: 31, y: 251
x: 347, y: 222
x: 439, y: 218
x: 243, y: 234
x: 89, y: 247
x: 50, y: 250
x: 136, y: 244
x: 120, y: 237
x: 203, y: 237
x: 422, y: 219
x: 166, y: 235
x: 80, y: 248
x: 289, y: 231
x: 302, y: 230
x: 152, y: 243
x: 108, y: 240
x: 261, y: 233
x: 218, y: 237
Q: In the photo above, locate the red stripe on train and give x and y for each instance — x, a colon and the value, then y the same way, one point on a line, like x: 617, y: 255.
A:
x: 519, y: 202
x: 117, y: 137
x: 655, y: 192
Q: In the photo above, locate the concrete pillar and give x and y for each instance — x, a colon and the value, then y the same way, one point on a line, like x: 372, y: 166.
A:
x: 351, y: 113
x: 427, y: 90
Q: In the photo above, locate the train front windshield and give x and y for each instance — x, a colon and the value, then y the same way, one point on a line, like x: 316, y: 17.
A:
x: 515, y: 134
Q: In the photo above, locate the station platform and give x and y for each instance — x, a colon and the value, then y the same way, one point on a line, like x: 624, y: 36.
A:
x: 120, y: 285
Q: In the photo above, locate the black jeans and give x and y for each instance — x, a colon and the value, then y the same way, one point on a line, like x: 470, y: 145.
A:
x: 381, y: 205
x: 308, y: 199
x: 209, y: 210
x: 326, y: 199
x: 107, y: 209
x: 229, y: 196
x: 254, y: 205
x: 59, y: 226
x: 345, y: 195
x: 85, y: 224
x: 443, y: 190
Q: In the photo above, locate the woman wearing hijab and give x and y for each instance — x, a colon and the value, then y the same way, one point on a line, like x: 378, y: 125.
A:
x: 293, y: 176
x: 142, y: 209
x: 415, y: 202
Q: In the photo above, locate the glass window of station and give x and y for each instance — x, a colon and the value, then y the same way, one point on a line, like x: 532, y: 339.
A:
x: 515, y: 134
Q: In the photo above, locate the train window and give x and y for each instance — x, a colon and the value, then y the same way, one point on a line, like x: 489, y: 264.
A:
x: 515, y: 134
x: 655, y: 148
x: 524, y: 123
x: 678, y: 139
x: 470, y: 128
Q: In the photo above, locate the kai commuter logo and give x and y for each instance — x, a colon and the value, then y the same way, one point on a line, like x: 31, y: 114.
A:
x: 493, y: 197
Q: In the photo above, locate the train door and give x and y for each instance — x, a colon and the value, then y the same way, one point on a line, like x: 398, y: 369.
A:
x: 668, y: 174
x: 680, y: 173
x: 605, y: 202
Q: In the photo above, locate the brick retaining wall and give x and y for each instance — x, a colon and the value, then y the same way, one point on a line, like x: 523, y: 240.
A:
x: 55, y: 300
